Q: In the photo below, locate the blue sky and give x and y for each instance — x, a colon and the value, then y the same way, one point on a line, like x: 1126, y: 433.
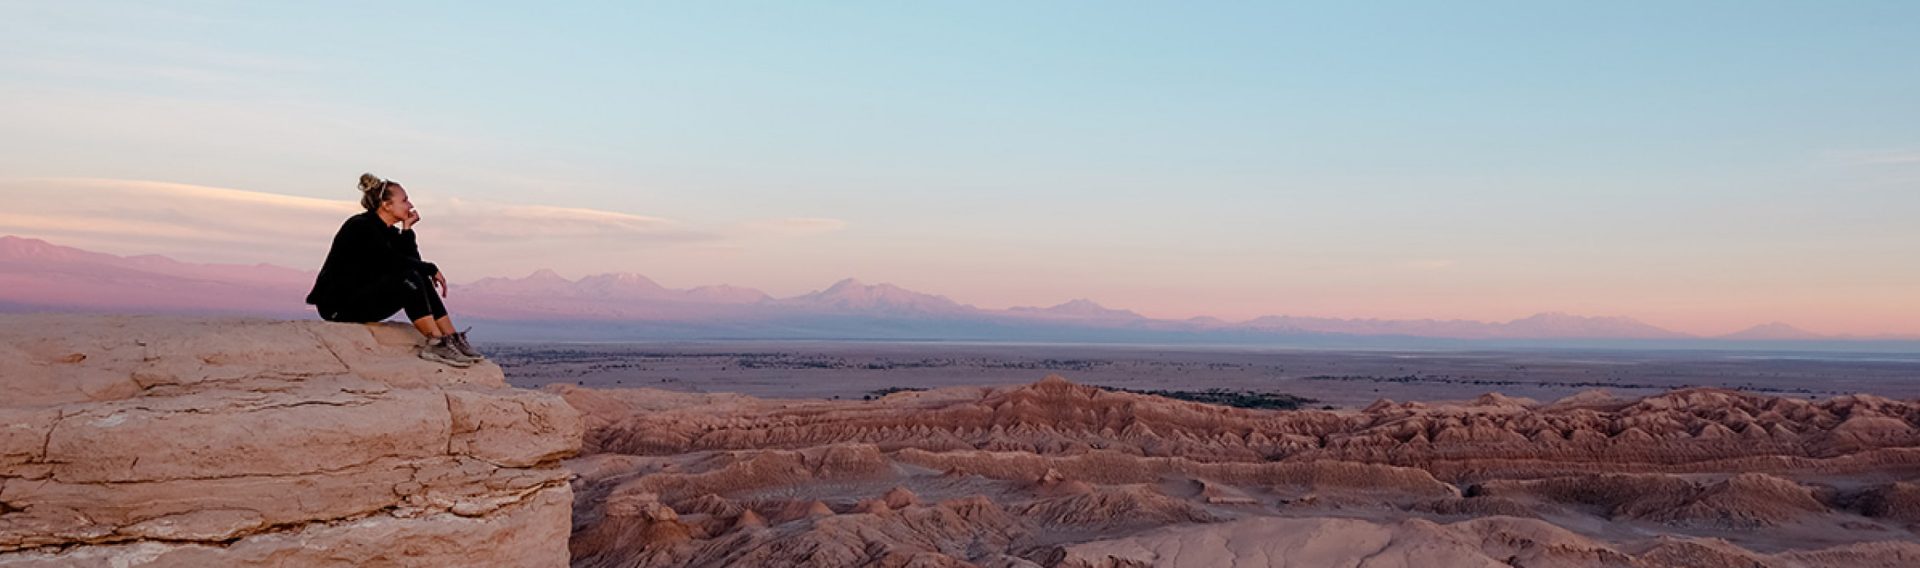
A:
x: 1704, y: 165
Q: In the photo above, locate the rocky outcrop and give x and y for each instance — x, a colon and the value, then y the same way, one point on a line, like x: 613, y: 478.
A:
x: 1898, y: 501
x: 1266, y: 541
x: 159, y: 441
x: 1059, y: 474
x: 1743, y: 501
x: 1687, y: 431
x: 1493, y: 542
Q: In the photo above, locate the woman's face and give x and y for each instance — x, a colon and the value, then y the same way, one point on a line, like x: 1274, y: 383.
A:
x: 397, y: 205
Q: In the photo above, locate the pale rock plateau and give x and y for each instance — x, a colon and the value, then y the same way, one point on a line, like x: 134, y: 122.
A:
x: 172, y: 441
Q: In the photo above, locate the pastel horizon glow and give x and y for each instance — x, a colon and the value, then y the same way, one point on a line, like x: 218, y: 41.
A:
x: 1703, y: 167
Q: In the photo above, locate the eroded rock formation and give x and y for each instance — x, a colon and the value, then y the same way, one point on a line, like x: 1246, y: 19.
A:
x: 1057, y: 474
x: 157, y: 441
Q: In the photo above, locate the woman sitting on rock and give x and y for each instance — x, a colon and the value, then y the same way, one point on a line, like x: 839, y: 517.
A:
x: 374, y: 270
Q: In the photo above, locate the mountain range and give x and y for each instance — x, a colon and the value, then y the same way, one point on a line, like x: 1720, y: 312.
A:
x: 39, y: 276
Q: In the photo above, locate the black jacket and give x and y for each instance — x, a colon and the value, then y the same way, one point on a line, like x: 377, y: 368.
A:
x: 364, y: 251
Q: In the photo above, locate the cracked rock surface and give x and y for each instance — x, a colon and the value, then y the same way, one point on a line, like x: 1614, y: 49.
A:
x: 177, y: 441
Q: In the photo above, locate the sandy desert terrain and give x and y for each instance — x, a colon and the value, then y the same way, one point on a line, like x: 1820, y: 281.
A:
x: 1057, y: 473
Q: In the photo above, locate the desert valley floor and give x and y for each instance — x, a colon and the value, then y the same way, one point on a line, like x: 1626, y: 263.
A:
x: 820, y: 454
x: 1344, y: 379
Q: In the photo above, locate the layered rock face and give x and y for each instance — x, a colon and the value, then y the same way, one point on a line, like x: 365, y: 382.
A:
x: 1058, y: 474
x: 155, y: 441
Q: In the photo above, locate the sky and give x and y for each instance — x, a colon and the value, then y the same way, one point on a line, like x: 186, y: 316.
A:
x: 1703, y: 166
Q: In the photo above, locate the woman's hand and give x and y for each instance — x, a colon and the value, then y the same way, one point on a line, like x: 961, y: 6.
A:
x: 413, y: 218
x: 440, y: 280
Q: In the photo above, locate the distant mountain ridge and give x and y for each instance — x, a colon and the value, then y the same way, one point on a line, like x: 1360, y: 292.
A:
x: 1080, y: 308
x: 1537, y: 326
x: 35, y: 274
x: 850, y: 295
x: 1772, y: 331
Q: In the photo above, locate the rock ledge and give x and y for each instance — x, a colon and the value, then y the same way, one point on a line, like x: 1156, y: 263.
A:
x: 176, y: 441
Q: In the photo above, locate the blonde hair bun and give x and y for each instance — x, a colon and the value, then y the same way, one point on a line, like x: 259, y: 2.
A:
x: 369, y: 197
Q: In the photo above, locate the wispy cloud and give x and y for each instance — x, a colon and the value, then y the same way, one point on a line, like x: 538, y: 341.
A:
x: 232, y: 225
x: 483, y: 220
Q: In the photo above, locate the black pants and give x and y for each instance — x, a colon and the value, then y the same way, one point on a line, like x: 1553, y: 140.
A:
x: 381, y: 298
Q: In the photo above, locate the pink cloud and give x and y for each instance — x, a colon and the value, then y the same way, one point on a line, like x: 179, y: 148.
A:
x: 233, y: 225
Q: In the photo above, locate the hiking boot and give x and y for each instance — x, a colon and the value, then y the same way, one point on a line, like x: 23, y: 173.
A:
x: 440, y: 350
x: 459, y: 341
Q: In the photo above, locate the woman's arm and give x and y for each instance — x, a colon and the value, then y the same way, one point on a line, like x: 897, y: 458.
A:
x: 412, y: 249
x: 409, y: 250
x: 377, y: 244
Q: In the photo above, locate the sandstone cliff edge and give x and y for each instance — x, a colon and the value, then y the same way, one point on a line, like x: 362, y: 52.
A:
x: 173, y: 441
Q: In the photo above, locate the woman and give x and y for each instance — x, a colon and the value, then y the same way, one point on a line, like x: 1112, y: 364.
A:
x: 374, y: 270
